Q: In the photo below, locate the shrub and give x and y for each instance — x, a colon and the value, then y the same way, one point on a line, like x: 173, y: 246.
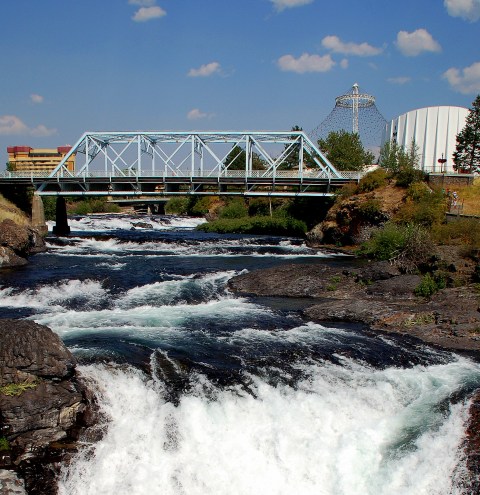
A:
x: 96, y: 205
x: 373, y: 180
x: 429, y: 285
x: 177, y: 206
x: 405, y: 246
x: 49, y: 207
x: 347, y: 190
x: 384, y: 244
x: 261, y: 206
x: 236, y: 208
x: 201, y: 206
x: 371, y: 211
x: 423, y: 206
x: 256, y: 225
x: 408, y: 175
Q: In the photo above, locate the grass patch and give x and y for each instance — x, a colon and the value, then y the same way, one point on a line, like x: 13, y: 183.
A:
x: 420, y: 319
x: 334, y: 281
x: 11, y: 212
x: 464, y: 232
x: 16, y: 389
x: 468, y: 196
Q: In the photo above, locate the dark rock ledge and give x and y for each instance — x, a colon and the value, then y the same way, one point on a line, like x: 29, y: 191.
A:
x: 376, y: 295
x: 44, y: 407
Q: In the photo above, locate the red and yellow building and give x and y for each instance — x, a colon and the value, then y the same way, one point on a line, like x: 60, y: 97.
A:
x: 27, y: 159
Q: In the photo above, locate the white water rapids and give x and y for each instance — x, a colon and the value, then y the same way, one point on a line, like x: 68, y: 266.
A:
x: 345, y: 430
x: 304, y: 409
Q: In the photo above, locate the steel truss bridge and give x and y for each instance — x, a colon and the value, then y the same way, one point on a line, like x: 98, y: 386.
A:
x: 129, y: 164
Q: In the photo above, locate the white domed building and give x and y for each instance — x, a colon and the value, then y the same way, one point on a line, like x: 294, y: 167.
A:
x: 434, y: 130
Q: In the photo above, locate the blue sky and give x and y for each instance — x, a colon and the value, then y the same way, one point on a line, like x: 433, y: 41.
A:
x: 75, y: 65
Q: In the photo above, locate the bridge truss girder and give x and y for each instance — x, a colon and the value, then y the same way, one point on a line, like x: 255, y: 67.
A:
x: 203, y: 154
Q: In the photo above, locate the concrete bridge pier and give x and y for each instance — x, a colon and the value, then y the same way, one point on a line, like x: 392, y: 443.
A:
x: 38, y: 215
x: 61, y: 226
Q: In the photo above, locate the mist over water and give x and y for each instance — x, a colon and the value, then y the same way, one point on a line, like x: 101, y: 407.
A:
x: 204, y: 392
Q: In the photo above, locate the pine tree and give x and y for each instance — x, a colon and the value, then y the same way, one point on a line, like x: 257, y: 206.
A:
x: 466, y: 158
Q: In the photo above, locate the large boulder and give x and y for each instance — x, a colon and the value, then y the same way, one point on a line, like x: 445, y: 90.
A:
x: 17, y: 242
x: 43, y: 406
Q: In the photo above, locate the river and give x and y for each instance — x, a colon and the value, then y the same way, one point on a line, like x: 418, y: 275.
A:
x: 205, y: 392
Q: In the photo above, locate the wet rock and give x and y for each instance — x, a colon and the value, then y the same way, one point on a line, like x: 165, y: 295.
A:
x: 30, y: 351
x: 142, y: 225
x: 43, y: 405
x: 17, y: 242
x: 449, y: 318
x: 472, y: 445
x: 400, y: 286
x: 9, y: 259
x: 292, y: 281
x: 15, y: 237
x: 379, y: 270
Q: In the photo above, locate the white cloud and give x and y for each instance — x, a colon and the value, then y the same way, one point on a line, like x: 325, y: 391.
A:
x: 142, y: 3
x: 412, y: 44
x: 344, y: 63
x: 144, y: 14
x: 196, y: 114
x: 399, y: 80
x: 42, y: 131
x: 36, y: 98
x: 466, y: 9
x: 466, y: 81
x: 336, y: 45
x: 288, y: 4
x: 205, y: 70
x: 11, y: 125
x: 306, y: 63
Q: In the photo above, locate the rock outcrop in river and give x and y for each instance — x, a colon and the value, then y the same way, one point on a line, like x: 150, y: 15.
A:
x: 375, y: 294
x: 43, y: 406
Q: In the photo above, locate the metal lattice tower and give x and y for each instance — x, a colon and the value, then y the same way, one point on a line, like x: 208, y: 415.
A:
x: 356, y: 112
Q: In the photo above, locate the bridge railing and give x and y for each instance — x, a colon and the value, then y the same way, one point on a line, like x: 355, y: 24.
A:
x: 280, y: 174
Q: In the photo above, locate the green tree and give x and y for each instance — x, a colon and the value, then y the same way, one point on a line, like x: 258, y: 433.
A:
x: 401, y: 163
x: 466, y: 157
x: 237, y: 157
x: 293, y: 151
x: 10, y: 167
x: 345, y: 150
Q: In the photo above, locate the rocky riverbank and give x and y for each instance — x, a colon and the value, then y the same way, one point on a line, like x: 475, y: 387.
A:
x: 44, y: 407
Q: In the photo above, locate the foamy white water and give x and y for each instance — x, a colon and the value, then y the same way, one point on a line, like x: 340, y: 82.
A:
x: 53, y: 296
x: 102, y: 222
x: 344, y: 430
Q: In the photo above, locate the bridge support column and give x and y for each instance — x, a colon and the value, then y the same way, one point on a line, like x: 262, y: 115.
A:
x: 38, y: 215
x: 61, y: 223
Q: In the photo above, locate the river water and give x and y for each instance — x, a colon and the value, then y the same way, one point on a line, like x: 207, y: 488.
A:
x: 205, y: 392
